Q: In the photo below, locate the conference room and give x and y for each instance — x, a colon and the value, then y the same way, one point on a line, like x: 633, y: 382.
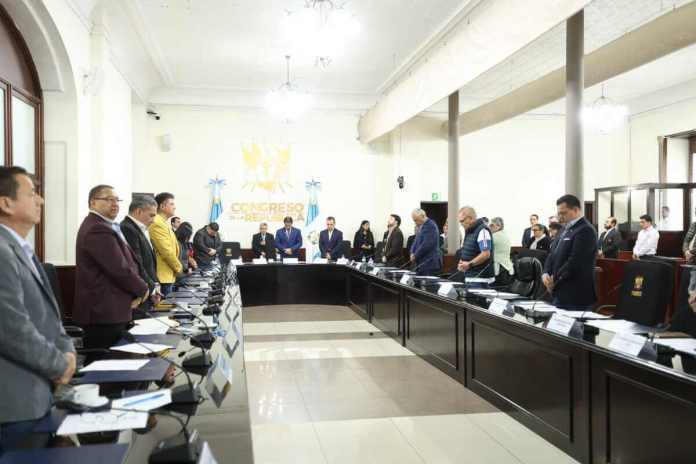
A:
x: 328, y: 231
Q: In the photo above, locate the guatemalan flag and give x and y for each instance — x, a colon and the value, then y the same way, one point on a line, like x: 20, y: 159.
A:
x: 216, y: 207
x: 313, y: 223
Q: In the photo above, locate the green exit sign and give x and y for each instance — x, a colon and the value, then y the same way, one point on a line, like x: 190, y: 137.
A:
x: 435, y: 196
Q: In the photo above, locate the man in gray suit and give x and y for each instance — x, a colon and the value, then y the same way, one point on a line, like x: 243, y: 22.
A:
x: 35, y: 352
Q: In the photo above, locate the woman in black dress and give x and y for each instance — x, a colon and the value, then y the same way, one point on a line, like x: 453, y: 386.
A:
x: 364, y: 242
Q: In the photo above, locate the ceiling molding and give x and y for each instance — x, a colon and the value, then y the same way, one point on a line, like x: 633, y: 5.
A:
x: 424, y: 49
x: 137, y: 17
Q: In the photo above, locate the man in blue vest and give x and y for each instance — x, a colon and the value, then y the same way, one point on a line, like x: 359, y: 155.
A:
x: 425, y: 251
x: 475, y: 257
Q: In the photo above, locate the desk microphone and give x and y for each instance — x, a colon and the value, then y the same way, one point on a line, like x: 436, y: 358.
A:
x: 200, y: 363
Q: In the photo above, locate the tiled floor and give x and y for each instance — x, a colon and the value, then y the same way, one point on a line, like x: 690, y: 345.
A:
x: 325, y: 386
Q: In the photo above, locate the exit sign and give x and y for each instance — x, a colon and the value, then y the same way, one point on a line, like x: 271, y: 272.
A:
x: 435, y: 196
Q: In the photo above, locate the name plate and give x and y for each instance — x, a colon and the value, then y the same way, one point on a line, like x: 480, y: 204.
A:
x: 237, y: 262
x: 375, y: 271
x: 446, y: 289
x: 406, y: 279
x: 203, y: 285
x: 290, y: 260
x: 341, y: 261
x: 628, y: 343
x: 260, y: 261
x: 561, y: 324
x: 498, y: 306
x: 321, y: 261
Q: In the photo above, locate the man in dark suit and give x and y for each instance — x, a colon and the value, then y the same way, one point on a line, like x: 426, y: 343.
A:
x: 393, y: 254
x: 425, y: 252
x: 528, y: 235
x: 35, y: 352
x: 288, y: 240
x: 207, y: 245
x: 331, y: 240
x: 107, y: 282
x: 569, y: 269
x: 263, y: 243
x: 608, y: 243
x: 141, y: 213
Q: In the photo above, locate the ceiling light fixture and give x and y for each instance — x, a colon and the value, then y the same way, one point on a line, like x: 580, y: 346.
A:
x: 604, y: 115
x: 321, y: 28
x: 287, y: 102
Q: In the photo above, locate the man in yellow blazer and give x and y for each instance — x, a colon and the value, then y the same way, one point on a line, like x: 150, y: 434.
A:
x: 164, y: 242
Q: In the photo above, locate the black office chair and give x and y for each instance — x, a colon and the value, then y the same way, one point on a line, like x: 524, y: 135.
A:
x: 684, y: 318
x: 346, y: 249
x: 541, y: 255
x: 646, y: 290
x: 74, y: 332
x: 230, y: 250
x: 379, y: 251
x: 527, y: 279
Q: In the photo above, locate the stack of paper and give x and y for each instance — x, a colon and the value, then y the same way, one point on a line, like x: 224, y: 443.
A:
x: 102, y: 422
x: 142, y: 348
x: 158, y: 325
x: 115, y: 365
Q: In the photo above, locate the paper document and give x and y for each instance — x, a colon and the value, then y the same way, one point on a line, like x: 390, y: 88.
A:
x: 142, y: 348
x: 616, y: 326
x: 585, y: 315
x: 685, y: 345
x: 102, y: 422
x: 144, y: 402
x: 149, y: 330
x: 115, y: 365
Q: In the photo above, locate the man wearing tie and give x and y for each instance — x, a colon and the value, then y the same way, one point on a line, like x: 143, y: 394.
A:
x: 263, y: 243
x: 108, y: 286
x: 425, y: 252
x: 608, y: 243
x: 331, y: 240
x: 288, y: 240
x: 35, y: 352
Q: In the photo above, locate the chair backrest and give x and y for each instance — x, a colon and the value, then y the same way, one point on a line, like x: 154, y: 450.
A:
x: 684, y: 318
x: 525, y: 277
x: 52, y: 275
x: 538, y: 254
x: 346, y: 249
x: 230, y: 250
x: 646, y: 290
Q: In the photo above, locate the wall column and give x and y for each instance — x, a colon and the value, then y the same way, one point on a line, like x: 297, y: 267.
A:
x: 453, y: 173
x: 575, y: 83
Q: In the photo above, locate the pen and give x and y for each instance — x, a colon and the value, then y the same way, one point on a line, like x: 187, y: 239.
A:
x: 141, y: 400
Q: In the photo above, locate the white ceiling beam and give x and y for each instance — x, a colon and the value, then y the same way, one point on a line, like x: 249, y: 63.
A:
x: 490, y: 33
x: 662, y: 36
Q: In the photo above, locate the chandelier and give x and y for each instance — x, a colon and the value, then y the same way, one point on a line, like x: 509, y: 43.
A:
x: 604, y: 115
x: 287, y: 102
x: 321, y: 29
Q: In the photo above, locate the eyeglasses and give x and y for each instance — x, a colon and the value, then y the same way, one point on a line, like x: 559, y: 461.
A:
x: 109, y: 199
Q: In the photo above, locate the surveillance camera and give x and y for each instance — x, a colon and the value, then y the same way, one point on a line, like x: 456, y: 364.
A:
x: 400, y: 181
x: 153, y: 114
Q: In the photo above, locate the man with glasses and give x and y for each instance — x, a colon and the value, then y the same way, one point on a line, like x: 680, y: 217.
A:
x: 108, y: 286
x: 35, y: 352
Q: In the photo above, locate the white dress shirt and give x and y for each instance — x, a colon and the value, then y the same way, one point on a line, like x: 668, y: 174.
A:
x: 646, y: 244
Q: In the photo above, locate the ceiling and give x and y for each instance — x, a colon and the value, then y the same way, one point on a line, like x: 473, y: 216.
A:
x: 237, y: 44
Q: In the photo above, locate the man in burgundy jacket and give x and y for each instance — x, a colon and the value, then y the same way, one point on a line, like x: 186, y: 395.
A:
x: 107, y: 283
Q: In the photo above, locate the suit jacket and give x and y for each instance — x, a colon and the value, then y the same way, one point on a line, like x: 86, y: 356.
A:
x: 686, y: 245
x: 268, y: 248
x: 106, y: 278
x: 571, y: 263
x: 144, y: 254
x: 294, y: 242
x: 608, y: 243
x: 33, y: 339
x: 394, y: 246
x: 527, y: 237
x: 202, y: 242
x: 334, y: 247
x: 543, y: 245
x: 166, y: 249
x: 426, y: 248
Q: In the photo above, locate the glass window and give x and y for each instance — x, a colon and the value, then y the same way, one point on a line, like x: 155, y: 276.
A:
x: 23, y: 135
x: 639, y: 207
x: 2, y: 126
x: 621, y: 210
x: 669, y: 209
x: 604, y: 207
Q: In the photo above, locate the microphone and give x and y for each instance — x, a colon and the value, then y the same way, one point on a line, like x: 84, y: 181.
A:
x: 200, y: 363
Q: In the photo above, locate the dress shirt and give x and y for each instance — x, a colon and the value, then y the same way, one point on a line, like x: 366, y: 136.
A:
x: 26, y: 247
x: 114, y: 225
x: 330, y: 232
x: 533, y: 245
x: 646, y: 243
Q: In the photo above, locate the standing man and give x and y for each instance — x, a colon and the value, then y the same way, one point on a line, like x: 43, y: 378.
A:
x: 263, y: 243
x: 665, y: 222
x: 164, y: 242
x: 393, y: 253
x: 646, y: 243
x: 108, y: 286
x: 331, y: 240
x: 569, y: 269
x: 35, y: 352
x: 502, y: 264
x: 608, y: 243
x: 425, y: 253
x: 528, y: 235
x: 288, y: 240
x: 475, y: 257
x: 207, y: 245
x: 141, y: 213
